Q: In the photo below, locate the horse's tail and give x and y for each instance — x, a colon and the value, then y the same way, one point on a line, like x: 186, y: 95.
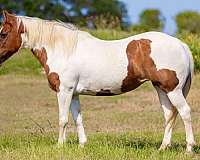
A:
x: 188, y: 81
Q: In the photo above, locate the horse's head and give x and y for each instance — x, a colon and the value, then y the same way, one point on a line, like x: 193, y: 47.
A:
x: 10, y: 36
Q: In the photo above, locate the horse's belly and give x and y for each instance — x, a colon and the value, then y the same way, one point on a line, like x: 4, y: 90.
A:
x: 103, y: 78
x: 101, y: 84
x: 95, y: 89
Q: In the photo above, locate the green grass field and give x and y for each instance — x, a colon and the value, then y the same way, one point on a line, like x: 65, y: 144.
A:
x: 101, y: 146
x: 128, y: 126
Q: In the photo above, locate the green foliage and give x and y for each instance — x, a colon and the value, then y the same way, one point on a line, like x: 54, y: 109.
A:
x: 80, y: 12
x: 188, y: 21
x: 12, y: 6
x: 138, y: 28
x: 150, y: 20
x: 89, y: 9
x: 107, y: 34
x: 193, y: 41
x: 44, y: 9
x: 127, y: 146
x: 106, y: 21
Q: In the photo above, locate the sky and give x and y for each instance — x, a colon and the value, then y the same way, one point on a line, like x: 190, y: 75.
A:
x: 169, y: 9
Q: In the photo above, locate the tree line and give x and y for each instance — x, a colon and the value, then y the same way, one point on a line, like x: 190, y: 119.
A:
x: 101, y: 14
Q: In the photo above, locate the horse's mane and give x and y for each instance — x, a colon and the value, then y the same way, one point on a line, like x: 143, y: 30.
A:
x: 67, y: 25
x: 50, y: 32
x: 56, y: 22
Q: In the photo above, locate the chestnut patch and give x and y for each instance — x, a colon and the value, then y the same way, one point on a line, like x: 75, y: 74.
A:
x: 53, y: 77
x: 54, y: 81
x: 41, y: 55
x: 141, y: 67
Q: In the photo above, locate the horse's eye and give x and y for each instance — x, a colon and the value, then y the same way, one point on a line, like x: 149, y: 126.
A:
x: 3, y: 35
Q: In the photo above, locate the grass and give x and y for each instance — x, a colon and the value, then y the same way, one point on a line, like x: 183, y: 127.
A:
x: 22, y: 62
x: 129, y: 126
x: 137, y: 146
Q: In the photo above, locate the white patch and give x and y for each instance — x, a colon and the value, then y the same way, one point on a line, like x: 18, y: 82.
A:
x: 101, y: 64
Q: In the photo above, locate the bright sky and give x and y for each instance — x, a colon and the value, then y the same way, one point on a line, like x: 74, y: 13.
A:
x: 169, y: 9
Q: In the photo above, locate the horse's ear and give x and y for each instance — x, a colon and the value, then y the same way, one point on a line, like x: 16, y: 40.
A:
x: 4, y: 15
x: 8, y: 17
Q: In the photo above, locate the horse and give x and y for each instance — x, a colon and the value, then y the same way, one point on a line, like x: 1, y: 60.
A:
x: 77, y: 63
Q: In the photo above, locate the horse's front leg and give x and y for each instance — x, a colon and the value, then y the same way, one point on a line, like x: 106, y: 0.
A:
x: 76, y: 114
x: 64, y: 100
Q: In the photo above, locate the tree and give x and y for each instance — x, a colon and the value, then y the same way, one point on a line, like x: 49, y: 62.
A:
x: 46, y: 9
x: 188, y: 21
x: 11, y: 6
x: 76, y: 11
x: 81, y: 10
x: 150, y: 20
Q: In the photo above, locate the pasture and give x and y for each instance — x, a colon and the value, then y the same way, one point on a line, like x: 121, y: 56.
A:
x: 128, y: 126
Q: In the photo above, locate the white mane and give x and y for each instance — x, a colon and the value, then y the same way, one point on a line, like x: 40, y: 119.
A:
x: 49, y: 33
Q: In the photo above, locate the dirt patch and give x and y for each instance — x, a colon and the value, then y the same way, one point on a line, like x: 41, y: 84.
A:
x: 28, y: 104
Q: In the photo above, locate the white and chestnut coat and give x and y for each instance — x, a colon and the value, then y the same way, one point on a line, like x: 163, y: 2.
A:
x: 77, y: 63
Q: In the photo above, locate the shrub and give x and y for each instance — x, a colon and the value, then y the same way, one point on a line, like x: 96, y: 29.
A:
x: 108, y: 34
x: 107, y: 21
x: 193, y: 41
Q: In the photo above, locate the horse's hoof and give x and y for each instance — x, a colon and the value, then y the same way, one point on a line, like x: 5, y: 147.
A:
x: 189, y: 150
x: 164, y: 146
x: 59, y: 145
x: 189, y: 147
x: 81, y: 145
x: 82, y: 142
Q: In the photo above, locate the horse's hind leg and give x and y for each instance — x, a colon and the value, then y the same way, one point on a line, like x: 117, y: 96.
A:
x: 178, y: 100
x: 170, y: 114
x: 76, y: 114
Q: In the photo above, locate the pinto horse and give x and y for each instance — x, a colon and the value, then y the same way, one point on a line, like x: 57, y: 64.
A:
x: 76, y: 63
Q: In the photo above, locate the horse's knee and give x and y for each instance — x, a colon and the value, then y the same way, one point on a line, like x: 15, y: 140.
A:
x: 63, y: 122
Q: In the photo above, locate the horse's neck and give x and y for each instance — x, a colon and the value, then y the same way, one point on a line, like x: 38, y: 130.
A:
x: 55, y: 39
x: 38, y: 37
